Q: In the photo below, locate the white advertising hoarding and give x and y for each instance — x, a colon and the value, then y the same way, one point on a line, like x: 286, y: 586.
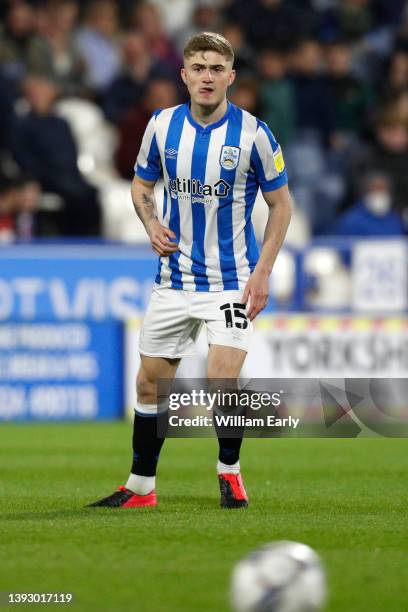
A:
x: 303, y: 346
x: 379, y: 275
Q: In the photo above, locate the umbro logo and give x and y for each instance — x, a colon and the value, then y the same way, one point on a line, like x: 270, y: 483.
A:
x: 171, y: 153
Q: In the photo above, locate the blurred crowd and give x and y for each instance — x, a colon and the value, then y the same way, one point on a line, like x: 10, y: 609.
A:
x: 80, y: 79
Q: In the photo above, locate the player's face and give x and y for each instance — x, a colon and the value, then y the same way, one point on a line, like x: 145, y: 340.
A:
x: 208, y: 75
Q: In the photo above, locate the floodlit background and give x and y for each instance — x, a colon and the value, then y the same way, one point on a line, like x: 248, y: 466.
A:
x: 78, y: 83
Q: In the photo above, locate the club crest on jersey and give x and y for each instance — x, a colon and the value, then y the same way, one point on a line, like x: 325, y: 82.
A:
x: 229, y: 157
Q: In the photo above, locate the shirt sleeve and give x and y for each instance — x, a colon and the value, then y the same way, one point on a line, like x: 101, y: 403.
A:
x: 148, y: 163
x: 267, y: 160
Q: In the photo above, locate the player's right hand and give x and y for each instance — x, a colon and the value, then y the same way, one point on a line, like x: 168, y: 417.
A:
x: 160, y: 239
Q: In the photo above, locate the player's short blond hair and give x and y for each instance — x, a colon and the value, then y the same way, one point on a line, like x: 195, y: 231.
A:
x: 209, y: 41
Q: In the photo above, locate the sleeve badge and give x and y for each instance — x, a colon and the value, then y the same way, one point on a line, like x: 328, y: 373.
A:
x: 278, y: 160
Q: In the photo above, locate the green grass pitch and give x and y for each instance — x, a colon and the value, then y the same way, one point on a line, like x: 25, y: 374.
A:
x: 346, y: 498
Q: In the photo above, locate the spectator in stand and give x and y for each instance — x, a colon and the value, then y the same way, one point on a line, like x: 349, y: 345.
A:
x: 244, y: 56
x: 204, y: 18
x: 245, y: 94
x: 277, y: 96
x: 139, y: 67
x: 272, y: 21
x: 15, y: 36
x: 348, y: 19
x: 44, y: 147
x: 395, y: 79
x: 159, y: 94
x: 401, y: 41
x: 387, y: 13
x: 146, y: 17
x: 387, y: 153
x: 30, y: 222
x: 6, y: 113
x: 350, y: 99
x: 97, y: 42
x: 312, y: 104
x: 176, y: 15
x: 20, y: 214
x: 373, y: 214
x: 316, y: 170
x: 53, y: 52
x: 9, y: 194
x: 401, y: 106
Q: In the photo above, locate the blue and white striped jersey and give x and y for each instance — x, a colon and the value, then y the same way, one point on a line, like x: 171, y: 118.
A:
x: 211, y: 178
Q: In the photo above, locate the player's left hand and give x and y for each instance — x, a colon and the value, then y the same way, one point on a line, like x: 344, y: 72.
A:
x: 256, y: 292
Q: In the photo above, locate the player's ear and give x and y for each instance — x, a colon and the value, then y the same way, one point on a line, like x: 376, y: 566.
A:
x: 233, y: 74
x: 183, y: 75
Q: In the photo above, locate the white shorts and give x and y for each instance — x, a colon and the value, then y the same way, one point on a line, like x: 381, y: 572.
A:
x: 174, y: 319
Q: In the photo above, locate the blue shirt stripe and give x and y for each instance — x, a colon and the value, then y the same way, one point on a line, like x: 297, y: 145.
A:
x: 251, y: 189
x: 198, y: 168
x: 257, y: 165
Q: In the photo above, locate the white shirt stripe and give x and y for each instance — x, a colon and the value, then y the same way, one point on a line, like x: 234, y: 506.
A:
x: 248, y: 133
x: 146, y: 143
x: 265, y: 151
x: 186, y: 218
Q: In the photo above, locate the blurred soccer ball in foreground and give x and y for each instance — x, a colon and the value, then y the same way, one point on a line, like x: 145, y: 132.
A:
x: 280, y: 577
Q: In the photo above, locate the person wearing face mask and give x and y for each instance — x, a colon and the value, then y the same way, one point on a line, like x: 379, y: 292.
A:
x: 373, y: 214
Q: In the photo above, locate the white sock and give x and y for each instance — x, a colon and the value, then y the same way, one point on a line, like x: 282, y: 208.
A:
x: 141, y: 485
x: 223, y: 468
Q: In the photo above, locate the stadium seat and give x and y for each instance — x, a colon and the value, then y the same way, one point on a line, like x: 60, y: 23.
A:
x: 283, y: 279
x: 95, y: 138
x: 119, y: 220
x: 329, y: 279
x: 298, y: 234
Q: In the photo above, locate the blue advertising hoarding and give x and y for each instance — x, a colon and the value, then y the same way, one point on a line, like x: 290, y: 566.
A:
x: 61, y: 371
x: 69, y: 281
x: 62, y: 308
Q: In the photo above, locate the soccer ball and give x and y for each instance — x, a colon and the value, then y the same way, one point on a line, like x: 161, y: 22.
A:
x: 280, y: 577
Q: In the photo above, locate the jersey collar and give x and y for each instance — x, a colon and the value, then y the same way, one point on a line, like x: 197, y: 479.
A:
x: 211, y: 126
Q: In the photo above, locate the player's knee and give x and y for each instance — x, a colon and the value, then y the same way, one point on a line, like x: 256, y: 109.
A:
x: 225, y: 362
x: 221, y: 370
x: 145, y: 388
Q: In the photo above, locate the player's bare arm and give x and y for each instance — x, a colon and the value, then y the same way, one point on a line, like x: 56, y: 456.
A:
x: 145, y: 207
x: 256, y: 291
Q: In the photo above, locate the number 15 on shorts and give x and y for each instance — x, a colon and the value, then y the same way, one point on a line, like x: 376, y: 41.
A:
x: 235, y: 315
